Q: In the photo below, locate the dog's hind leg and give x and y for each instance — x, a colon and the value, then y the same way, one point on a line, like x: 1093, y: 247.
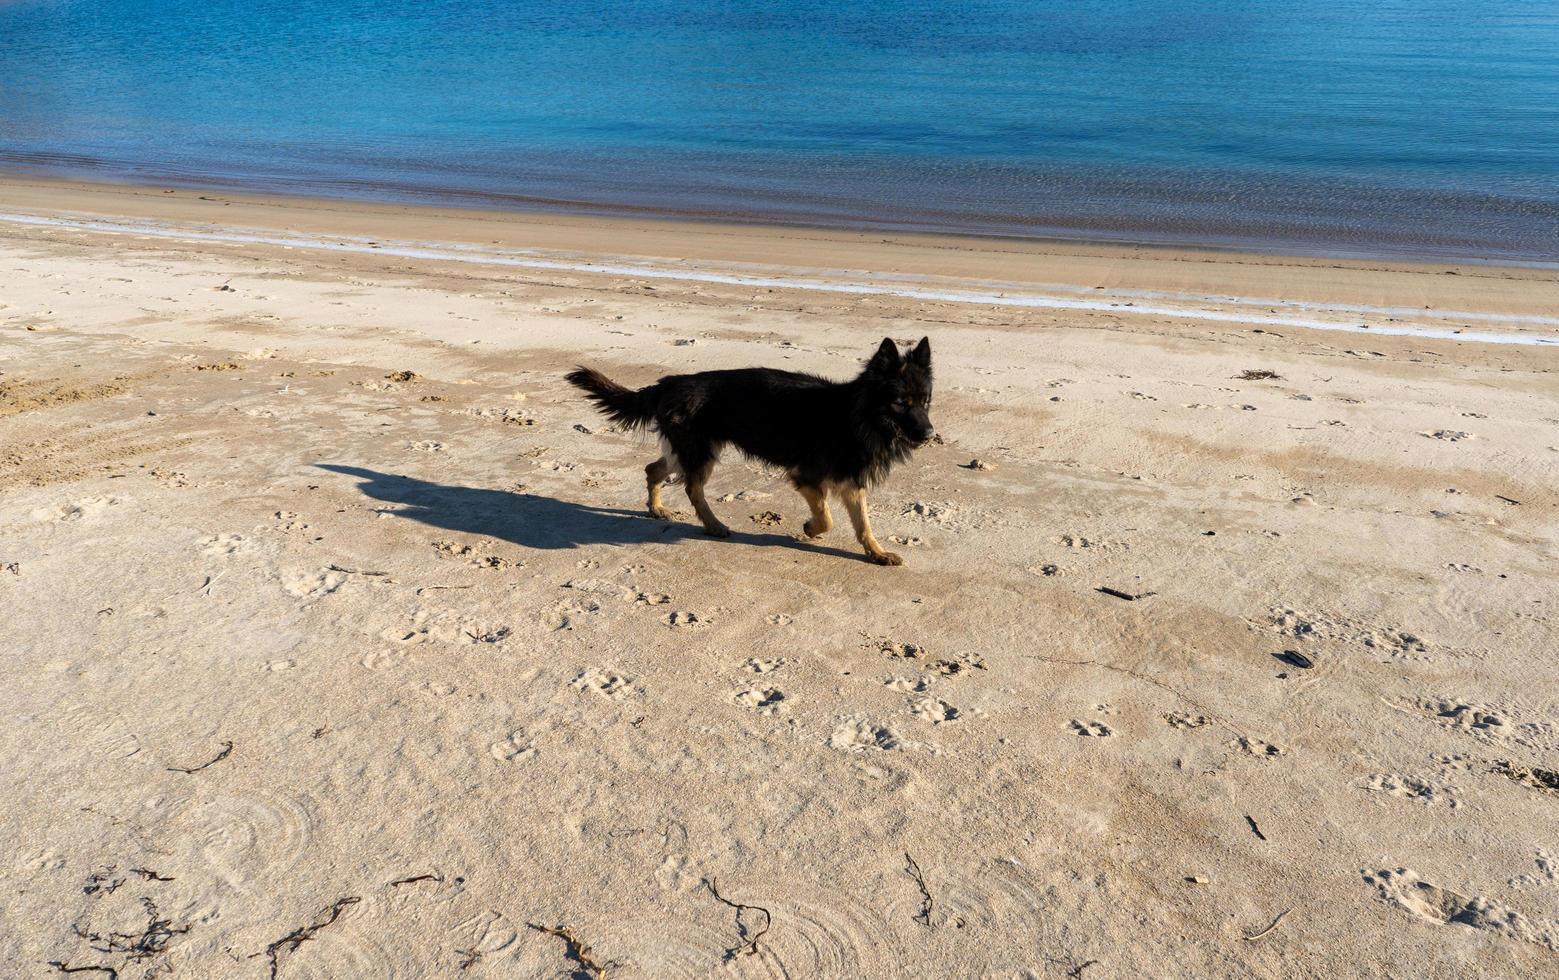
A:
x: 695, y: 494
x: 821, y: 519
x: 655, y: 474
x: 855, y: 502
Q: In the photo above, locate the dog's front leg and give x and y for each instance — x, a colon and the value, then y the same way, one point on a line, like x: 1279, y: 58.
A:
x: 855, y: 502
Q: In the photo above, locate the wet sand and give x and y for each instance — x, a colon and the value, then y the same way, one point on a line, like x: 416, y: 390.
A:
x: 339, y: 643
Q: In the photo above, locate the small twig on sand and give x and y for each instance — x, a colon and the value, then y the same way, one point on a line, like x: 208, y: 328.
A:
x: 210, y: 581
x: 1129, y: 597
x: 924, y: 915
x: 1253, y: 828
x: 470, y: 958
x: 149, y: 874
x: 1274, y: 925
x: 64, y: 967
x: 353, y: 571
x: 1074, y: 968
x: 424, y: 877
x: 227, y: 749
x: 1506, y: 499
x: 574, y: 949
x: 751, y: 945
x: 303, y: 934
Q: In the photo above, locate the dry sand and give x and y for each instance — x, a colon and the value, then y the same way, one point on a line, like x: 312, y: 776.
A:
x: 319, y: 668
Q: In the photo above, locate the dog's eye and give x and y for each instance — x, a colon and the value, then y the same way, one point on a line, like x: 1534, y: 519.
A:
x: 900, y: 404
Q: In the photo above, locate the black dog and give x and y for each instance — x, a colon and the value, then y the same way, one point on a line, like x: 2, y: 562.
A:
x: 827, y: 435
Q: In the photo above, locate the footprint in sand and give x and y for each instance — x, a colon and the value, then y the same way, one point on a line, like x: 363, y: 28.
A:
x: 503, y: 416
x: 935, y: 710
x: 779, y: 619
x: 897, y: 649
x: 909, y: 685
x: 606, y: 683
x: 514, y: 748
x: 567, y: 615
x: 1491, y: 723
x: 312, y: 585
x: 1186, y: 720
x: 1542, y: 780
x: 383, y: 659
x: 684, y: 620
x: 1257, y: 747
x: 952, y: 668
x: 217, y: 545
x: 1404, y: 888
x: 763, y: 666
x: 48, y: 860
x: 1417, y: 789
x: 1544, y: 875
x: 1077, y: 541
x: 427, y: 446
x: 1091, y: 728
x: 861, y: 735
x: 1447, y: 435
x: 936, y: 511
x: 75, y: 510
x: 276, y: 666
x: 287, y: 520
x: 766, y: 700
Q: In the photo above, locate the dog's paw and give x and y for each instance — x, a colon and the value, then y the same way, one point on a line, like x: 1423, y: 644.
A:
x: 813, y: 531
x: 660, y: 513
x: 718, y: 531
x: 887, y: 558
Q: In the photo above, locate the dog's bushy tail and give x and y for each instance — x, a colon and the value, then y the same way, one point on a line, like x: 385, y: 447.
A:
x: 627, y: 408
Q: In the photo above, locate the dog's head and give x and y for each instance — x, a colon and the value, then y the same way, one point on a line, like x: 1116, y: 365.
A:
x: 900, y: 387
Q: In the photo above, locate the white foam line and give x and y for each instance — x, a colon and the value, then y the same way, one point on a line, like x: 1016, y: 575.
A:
x: 990, y: 296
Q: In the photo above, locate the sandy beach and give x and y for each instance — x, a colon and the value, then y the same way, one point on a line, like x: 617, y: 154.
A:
x: 338, y: 644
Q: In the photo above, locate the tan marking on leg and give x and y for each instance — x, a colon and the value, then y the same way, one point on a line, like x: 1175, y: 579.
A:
x: 655, y: 474
x: 821, y: 520
x: 695, y: 493
x: 854, y: 499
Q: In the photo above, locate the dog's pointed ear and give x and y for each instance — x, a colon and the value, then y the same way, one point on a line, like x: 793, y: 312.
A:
x: 921, y: 355
x: 886, y: 360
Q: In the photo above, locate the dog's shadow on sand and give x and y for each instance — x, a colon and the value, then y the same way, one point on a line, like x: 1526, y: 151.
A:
x: 533, y: 521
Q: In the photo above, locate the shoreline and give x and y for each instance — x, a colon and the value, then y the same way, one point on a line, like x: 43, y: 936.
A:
x: 1034, y: 231
x: 1252, y: 289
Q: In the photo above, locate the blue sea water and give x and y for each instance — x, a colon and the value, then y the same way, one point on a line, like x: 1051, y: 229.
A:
x: 1418, y: 127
